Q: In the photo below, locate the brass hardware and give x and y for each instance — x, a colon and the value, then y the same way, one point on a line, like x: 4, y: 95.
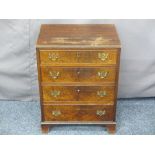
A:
x: 53, y: 56
x: 56, y: 112
x: 55, y: 93
x: 100, y: 112
x: 101, y: 93
x: 103, y: 56
x: 54, y: 74
x: 102, y: 74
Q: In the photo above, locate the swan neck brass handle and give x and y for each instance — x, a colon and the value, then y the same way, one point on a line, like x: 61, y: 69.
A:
x: 102, y: 93
x: 53, y: 56
x: 103, y: 56
x: 54, y: 74
x: 100, y: 112
x: 102, y: 74
x: 55, y: 93
x: 56, y: 112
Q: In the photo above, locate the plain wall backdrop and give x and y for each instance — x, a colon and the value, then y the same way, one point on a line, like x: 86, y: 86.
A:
x: 18, y: 69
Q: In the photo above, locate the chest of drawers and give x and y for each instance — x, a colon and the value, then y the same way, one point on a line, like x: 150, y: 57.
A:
x: 78, y: 68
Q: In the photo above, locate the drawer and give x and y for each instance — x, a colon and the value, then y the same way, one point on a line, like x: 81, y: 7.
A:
x: 78, y: 93
x: 75, y: 57
x: 78, y: 113
x: 61, y: 74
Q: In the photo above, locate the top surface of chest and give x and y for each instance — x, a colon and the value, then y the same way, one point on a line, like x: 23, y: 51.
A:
x: 78, y: 36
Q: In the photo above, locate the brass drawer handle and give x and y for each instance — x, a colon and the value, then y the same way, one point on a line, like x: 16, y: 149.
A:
x: 100, y: 112
x: 102, y: 93
x: 103, y: 56
x: 102, y: 74
x: 54, y: 74
x: 56, y: 112
x: 55, y: 93
x: 53, y: 56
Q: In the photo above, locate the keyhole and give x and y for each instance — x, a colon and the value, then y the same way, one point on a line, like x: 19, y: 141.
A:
x: 78, y: 90
x: 78, y: 72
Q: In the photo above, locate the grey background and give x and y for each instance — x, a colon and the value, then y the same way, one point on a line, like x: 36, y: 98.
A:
x: 18, y: 70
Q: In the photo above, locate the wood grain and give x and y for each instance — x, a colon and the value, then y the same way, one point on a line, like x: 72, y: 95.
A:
x: 78, y: 70
x: 74, y: 74
x: 79, y: 35
x: 78, y: 113
x: 80, y: 93
x: 77, y: 57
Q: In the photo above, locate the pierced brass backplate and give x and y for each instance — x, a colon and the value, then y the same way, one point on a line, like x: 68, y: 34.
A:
x: 55, y: 93
x: 102, y: 74
x: 54, y: 74
x: 101, y: 93
x: 100, y: 112
x: 56, y: 112
x: 103, y: 56
x: 53, y: 56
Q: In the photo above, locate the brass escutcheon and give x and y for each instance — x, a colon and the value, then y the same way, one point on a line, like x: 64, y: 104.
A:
x: 77, y: 54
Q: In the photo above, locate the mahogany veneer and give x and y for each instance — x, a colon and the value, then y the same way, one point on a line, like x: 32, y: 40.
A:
x: 78, y: 67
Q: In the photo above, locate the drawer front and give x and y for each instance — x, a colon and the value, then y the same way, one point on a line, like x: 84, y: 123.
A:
x: 78, y: 57
x: 79, y: 93
x: 58, y: 74
x: 78, y: 113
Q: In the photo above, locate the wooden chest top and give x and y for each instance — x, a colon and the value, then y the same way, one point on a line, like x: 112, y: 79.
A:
x: 78, y: 36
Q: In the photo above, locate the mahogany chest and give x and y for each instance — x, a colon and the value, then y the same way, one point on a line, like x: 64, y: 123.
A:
x: 78, y: 68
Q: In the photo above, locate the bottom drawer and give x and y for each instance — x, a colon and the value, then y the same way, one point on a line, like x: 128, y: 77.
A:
x: 78, y: 113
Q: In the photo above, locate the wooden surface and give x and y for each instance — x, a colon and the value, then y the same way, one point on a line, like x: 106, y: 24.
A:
x: 80, y: 36
x: 79, y: 93
x: 75, y: 74
x: 78, y: 57
x: 78, y: 69
x: 78, y: 113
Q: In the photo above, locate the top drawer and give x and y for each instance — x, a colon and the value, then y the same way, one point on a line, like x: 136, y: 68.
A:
x: 79, y: 58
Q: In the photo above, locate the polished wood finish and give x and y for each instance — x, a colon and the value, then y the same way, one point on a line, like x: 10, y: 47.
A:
x: 78, y: 69
x: 78, y: 113
x: 75, y: 74
x: 78, y: 57
x: 79, y: 93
